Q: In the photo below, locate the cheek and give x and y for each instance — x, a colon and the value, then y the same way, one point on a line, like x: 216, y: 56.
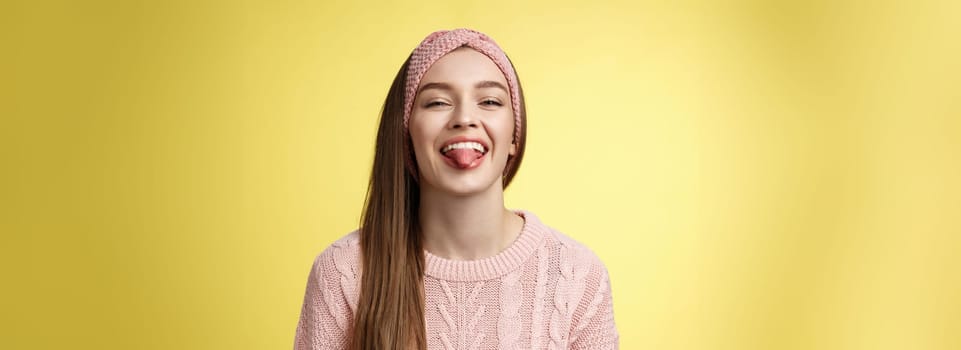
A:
x: 421, y: 137
x: 417, y: 140
x: 503, y: 130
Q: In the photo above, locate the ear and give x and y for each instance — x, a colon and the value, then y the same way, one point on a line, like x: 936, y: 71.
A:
x: 513, y: 150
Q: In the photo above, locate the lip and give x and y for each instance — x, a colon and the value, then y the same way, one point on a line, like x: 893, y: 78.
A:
x: 466, y: 139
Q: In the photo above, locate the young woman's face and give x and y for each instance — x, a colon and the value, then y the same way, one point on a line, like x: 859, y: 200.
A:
x: 462, y: 103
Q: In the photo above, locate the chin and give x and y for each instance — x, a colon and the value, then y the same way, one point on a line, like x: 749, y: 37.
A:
x: 466, y: 187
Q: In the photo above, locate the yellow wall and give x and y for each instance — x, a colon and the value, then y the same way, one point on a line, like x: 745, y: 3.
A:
x: 755, y: 174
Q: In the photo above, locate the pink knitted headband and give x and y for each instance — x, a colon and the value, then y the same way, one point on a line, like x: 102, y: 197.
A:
x: 441, y: 42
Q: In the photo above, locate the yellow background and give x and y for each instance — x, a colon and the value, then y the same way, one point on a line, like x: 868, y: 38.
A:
x: 755, y: 174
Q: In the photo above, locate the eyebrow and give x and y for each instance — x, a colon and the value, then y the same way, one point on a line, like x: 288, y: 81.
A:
x: 480, y: 85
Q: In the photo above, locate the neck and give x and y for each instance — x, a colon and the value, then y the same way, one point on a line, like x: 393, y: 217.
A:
x: 467, y: 227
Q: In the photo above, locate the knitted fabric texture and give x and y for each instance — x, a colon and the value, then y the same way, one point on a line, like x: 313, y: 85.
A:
x: 440, y: 43
x: 545, y: 291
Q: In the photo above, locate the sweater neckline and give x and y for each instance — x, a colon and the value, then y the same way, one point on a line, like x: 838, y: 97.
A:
x: 510, y: 259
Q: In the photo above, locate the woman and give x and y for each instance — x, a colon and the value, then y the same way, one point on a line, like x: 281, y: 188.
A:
x: 439, y: 262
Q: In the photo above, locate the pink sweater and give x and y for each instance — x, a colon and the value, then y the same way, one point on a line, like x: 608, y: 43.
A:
x: 545, y: 291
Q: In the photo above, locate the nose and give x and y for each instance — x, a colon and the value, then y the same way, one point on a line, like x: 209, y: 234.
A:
x: 463, y: 118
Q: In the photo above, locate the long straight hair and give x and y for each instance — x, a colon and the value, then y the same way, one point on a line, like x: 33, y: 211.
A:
x: 390, y: 308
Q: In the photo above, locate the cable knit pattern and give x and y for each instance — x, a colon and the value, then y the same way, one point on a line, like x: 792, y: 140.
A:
x: 509, y: 321
x: 539, y: 291
x: 567, y: 296
x: 545, y: 291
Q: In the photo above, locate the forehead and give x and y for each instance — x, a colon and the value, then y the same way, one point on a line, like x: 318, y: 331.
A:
x: 463, y: 66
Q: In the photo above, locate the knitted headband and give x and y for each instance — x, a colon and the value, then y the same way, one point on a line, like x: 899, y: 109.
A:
x: 441, y: 42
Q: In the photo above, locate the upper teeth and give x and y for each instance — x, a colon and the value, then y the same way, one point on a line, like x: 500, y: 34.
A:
x: 475, y: 145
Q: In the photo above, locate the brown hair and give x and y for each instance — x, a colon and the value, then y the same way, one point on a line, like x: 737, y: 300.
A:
x: 390, y: 309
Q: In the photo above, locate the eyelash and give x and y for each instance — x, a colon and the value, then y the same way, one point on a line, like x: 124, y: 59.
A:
x: 495, y: 103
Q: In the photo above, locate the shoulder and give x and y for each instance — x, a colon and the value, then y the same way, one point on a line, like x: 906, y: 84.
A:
x: 556, y: 243
x: 583, y: 292
x: 337, y: 267
x: 573, y: 252
x: 341, y: 254
x: 346, y: 246
x: 578, y: 269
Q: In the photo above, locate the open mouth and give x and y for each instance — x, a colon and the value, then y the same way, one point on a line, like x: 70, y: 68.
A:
x: 464, y: 155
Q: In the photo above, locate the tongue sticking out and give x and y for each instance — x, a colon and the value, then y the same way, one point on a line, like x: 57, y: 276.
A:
x: 463, y: 156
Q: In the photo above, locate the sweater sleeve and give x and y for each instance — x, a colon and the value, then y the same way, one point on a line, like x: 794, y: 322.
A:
x: 594, y: 326
x: 325, y: 316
